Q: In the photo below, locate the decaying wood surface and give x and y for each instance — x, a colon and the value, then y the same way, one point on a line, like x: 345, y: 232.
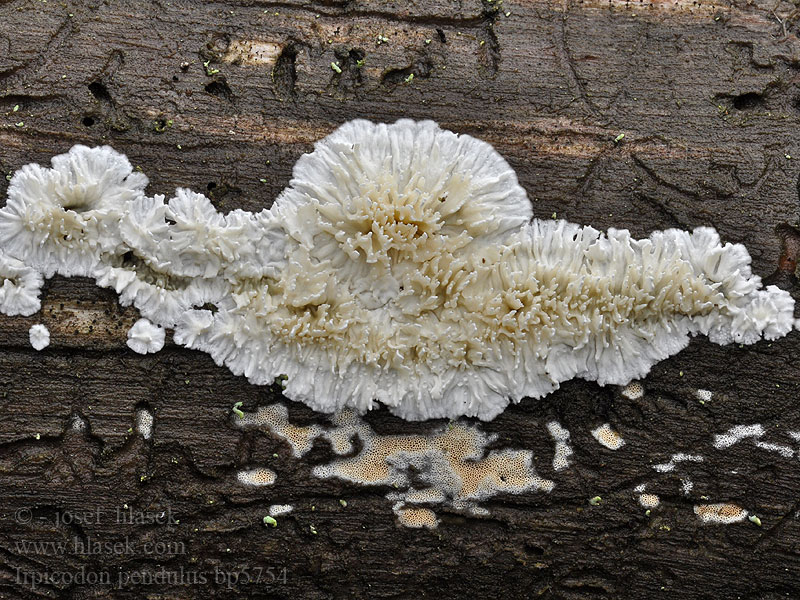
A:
x: 223, y: 97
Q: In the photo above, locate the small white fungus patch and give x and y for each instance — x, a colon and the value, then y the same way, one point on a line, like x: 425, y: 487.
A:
x: 649, y: 501
x: 736, y: 434
x: 608, y: 437
x: 646, y: 500
x: 258, y: 477
x: 721, y: 513
x: 146, y: 338
x: 39, y: 336
x: 144, y: 423
x: 784, y: 451
x: 563, y: 451
x: 675, y: 459
x: 633, y: 391
x: 703, y: 396
x: 276, y: 510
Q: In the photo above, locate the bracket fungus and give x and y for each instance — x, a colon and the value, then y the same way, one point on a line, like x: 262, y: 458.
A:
x: 402, y: 264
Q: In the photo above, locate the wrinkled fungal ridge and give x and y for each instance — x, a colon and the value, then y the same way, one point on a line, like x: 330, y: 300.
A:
x: 401, y: 265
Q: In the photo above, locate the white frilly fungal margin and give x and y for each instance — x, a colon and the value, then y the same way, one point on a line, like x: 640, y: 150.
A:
x: 402, y: 264
x: 145, y: 338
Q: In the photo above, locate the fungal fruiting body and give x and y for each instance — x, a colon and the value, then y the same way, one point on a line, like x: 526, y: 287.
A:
x: 401, y: 265
x: 39, y: 336
x: 145, y: 337
x: 451, y: 466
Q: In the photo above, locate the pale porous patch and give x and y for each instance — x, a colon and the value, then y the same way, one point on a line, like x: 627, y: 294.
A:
x: 275, y: 418
x: 450, y: 466
x: 39, y: 337
x: 649, y: 501
x: 784, y: 451
x: 258, y: 477
x: 703, y: 396
x: 252, y: 52
x: 144, y: 423
x: 736, y: 434
x: 722, y: 513
x: 646, y: 500
x: 608, y: 437
x: 416, y: 517
x: 276, y: 510
x: 633, y: 391
x: 401, y: 265
x: 675, y: 459
x: 563, y: 451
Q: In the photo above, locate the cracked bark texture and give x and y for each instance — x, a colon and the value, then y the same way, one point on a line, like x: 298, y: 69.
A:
x: 223, y: 97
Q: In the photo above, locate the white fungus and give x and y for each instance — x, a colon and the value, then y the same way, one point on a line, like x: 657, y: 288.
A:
x: 450, y: 466
x: 646, y: 500
x: 736, y: 434
x: 703, y: 396
x: 563, y: 450
x: 649, y: 501
x: 721, y: 513
x: 144, y: 423
x: 680, y: 457
x: 276, y: 510
x: 39, y: 336
x: 257, y: 477
x: 20, y: 287
x: 608, y: 437
x: 633, y: 391
x: 145, y: 338
x: 401, y: 265
x: 415, y: 517
x: 784, y: 451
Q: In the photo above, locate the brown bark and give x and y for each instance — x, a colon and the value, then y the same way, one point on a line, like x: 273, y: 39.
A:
x: 223, y: 97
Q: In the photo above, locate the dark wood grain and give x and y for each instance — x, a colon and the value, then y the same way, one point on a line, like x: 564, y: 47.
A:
x: 708, y: 97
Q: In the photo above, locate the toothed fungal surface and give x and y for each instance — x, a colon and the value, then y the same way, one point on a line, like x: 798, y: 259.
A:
x: 402, y: 265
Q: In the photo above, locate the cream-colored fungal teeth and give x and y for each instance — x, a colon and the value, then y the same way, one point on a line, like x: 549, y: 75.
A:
x: 400, y: 266
x: 20, y: 287
x: 39, y: 336
x: 145, y: 337
x: 60, y: 219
